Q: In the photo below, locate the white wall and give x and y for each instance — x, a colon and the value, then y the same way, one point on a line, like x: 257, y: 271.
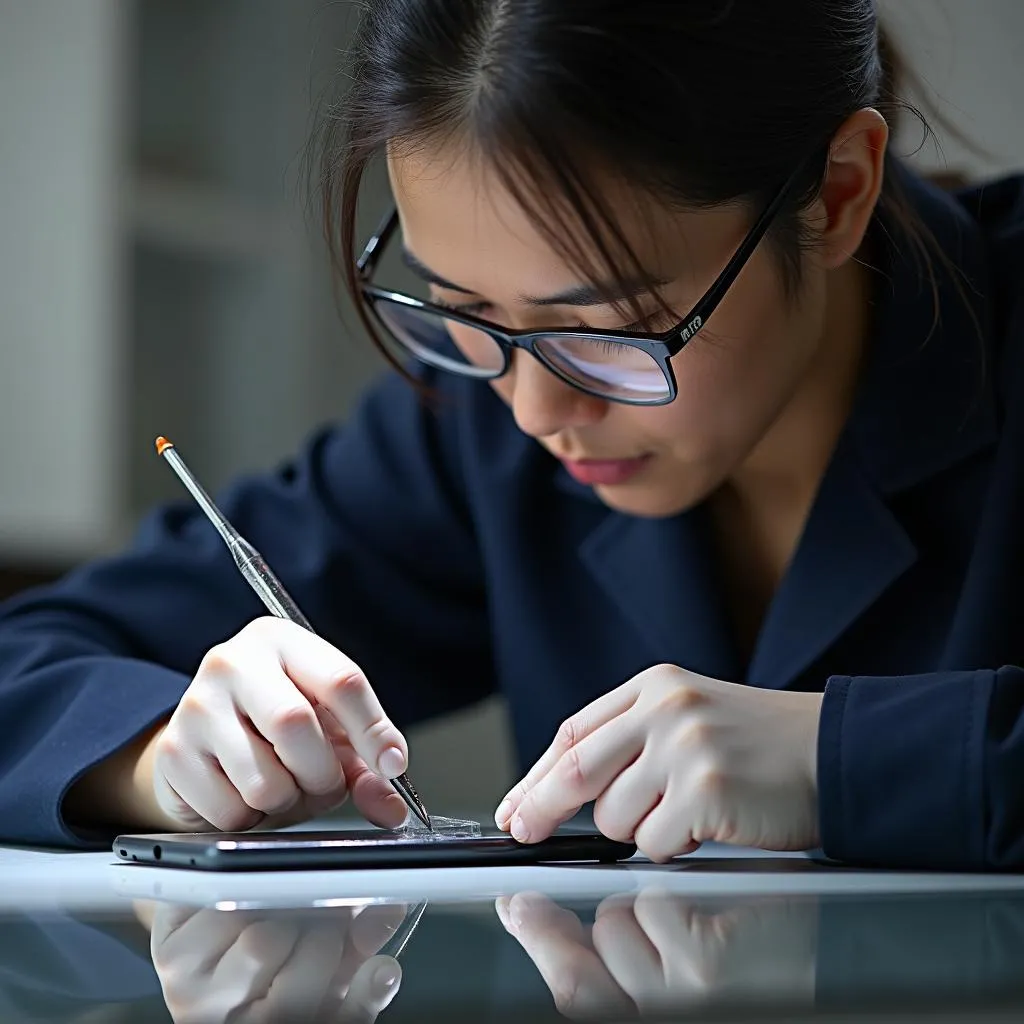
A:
x: 60, y: 137
x: 970, y: 55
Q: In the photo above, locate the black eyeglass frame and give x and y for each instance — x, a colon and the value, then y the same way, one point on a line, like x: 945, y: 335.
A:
x: 660, y: 346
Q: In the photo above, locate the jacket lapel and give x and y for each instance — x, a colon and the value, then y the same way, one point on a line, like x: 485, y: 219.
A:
x: 852, y: 549
x: 660, y: 574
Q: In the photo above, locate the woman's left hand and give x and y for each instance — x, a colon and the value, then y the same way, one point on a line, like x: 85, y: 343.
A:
x: 674, y: 759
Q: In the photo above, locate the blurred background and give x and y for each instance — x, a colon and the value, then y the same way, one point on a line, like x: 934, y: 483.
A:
x: 161, y: 272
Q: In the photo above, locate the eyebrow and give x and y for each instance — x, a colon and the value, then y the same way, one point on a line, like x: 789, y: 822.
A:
x: 428, y: 275
x: 597, y: 294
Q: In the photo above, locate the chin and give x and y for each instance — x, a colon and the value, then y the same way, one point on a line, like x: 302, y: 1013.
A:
x: 646, y: 503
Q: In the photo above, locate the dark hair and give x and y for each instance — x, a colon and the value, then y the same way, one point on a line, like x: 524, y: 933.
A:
x: 701, y: 102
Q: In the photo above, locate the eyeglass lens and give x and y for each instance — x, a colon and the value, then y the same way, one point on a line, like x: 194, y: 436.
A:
x: 597, y: 365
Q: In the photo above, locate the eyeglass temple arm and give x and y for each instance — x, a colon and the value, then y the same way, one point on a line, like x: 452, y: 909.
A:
x: 732, y: 269
x: 375, y: 246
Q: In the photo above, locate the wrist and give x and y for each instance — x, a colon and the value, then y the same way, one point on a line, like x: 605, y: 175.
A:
x: 118, y: 792
x: 813, y: 711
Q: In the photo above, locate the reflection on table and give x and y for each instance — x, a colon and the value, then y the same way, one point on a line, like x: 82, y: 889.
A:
x: 649, y: 954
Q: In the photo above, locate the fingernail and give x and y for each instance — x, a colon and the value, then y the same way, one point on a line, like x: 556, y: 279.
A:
x: 391, y: 763
x: 520, y: 833
x: 385, y: 978
x: 502, y: 813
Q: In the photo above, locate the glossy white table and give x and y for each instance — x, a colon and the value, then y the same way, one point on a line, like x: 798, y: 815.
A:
x: 33, y: 879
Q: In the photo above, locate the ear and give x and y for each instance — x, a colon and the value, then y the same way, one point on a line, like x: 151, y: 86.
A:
x: 853, y: 183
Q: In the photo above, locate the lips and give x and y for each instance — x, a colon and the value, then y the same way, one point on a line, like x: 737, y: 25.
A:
x: 604, y: 472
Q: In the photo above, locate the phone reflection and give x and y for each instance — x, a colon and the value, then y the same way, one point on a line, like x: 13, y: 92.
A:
x: 655, y: 952
x: 337, y: 963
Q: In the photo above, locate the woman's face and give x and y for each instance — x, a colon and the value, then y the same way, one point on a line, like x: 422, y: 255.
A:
x: 735, y: 379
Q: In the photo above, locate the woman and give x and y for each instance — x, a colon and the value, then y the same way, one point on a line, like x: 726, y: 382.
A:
x: 718, y: 479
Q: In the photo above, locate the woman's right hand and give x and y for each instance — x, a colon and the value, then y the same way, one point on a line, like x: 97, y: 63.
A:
x: 277, y: 724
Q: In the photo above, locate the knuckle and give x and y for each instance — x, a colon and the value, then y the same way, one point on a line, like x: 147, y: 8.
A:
x: 711, y: 781
x: 217, y: 662
x: 380, y: 731
x: 192, y: 705
x: 574, y: 773
x: 346, y: 682
x: 697, y: 736
x: 268, y: 795
x: 291, y: 719
x: 683, y: 698
x: 662, y: 673
x: 170, y: 750
x: 261, y: 625
x: 565, y: 738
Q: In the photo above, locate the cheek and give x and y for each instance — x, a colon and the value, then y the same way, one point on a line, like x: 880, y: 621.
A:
x: 504, y: 386
x: 736, y: 375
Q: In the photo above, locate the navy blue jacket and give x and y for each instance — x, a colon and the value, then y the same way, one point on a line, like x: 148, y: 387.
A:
x: 453, y: 557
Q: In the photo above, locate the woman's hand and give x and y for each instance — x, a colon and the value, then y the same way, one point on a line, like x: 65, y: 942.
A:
x: 674, y: 759
x: 658, y: 952
x: 252, y: 967
x: 277, y: 726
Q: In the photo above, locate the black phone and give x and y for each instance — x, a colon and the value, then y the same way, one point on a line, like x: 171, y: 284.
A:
x: 366, y: 848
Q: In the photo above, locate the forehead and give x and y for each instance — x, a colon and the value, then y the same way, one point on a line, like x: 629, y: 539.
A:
x: 455, y: 214
x: 459, y: 220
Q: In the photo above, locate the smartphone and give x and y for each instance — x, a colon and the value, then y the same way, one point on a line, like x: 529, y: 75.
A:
x: 367, y: 848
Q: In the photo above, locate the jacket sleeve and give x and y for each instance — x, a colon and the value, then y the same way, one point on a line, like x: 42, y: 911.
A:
x: 366, y: 529
x: 924, y: 771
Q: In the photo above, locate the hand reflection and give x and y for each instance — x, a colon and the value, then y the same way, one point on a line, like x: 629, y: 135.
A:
x: 250, y: 966
x: 655, y: 950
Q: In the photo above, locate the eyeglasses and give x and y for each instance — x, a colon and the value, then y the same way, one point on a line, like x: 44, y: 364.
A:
x: 620, y: 366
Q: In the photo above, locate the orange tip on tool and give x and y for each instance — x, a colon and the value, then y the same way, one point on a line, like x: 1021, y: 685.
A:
x: 162, y: 444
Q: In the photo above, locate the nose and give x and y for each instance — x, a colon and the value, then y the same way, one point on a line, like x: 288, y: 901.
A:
x: 543, y: 404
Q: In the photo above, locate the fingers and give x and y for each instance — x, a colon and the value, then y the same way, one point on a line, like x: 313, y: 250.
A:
x: 628, y: 953
x: 290, y: 724
x: 581, y: 774
x: 667, y: 830
x: 555, y: 941
x: 326, y: 676
x: 249, y: 968
x: 374, y: 927
x: 627, y: 800
x: 252, y: 766
x: 371, y: 991
x: 303, y: 987
x: 571, y: 732
x: 256, y: 735
x: 376, y: 798
x: 187, y: 947
x: 194, y: 779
